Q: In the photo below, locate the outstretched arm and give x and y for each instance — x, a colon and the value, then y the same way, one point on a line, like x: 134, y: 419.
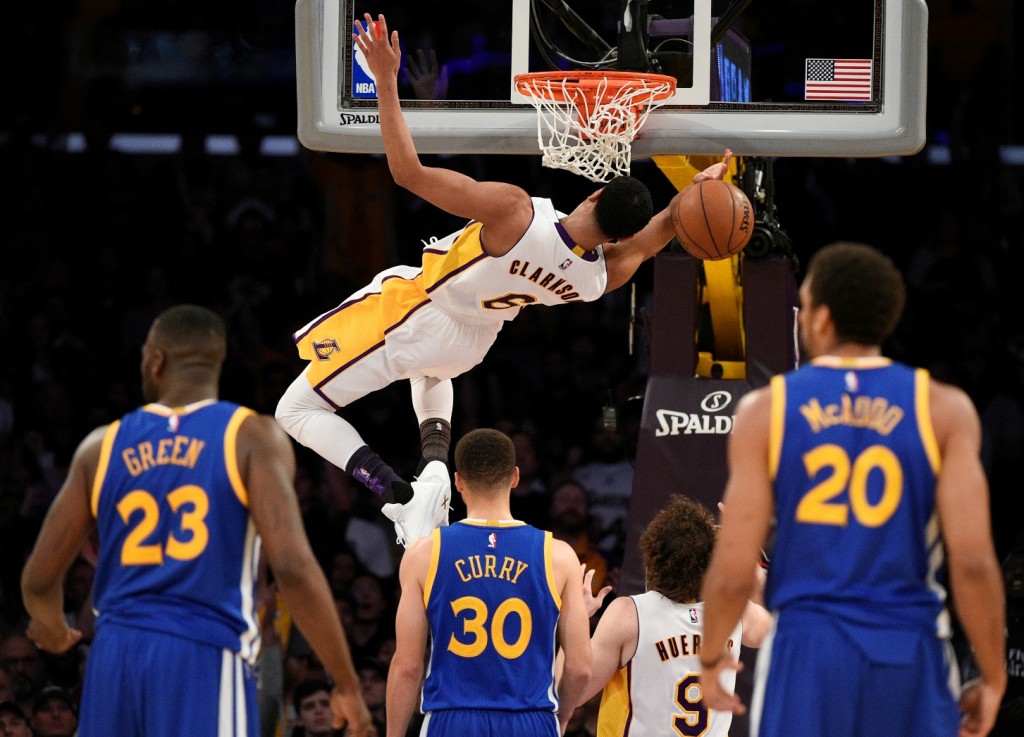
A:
x: 505, y: 209
x: 624, y: 257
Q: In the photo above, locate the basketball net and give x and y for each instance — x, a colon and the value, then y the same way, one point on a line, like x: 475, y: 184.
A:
x: 587, y: 121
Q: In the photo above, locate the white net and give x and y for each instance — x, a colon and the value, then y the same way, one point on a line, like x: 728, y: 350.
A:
x: 590, y: 132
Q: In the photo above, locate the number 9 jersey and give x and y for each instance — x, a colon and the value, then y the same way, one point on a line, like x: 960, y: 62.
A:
x: 178, y: 549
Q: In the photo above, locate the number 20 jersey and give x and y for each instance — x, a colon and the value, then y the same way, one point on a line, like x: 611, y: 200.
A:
x: 178, y: 548
x: 492, y: 605
x: 854, y: 459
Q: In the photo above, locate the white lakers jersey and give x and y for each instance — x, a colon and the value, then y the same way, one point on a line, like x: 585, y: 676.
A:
x: 658, y: 691
x: 544, y: 267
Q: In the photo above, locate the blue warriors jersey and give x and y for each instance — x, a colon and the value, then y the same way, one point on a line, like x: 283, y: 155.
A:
x: 854, y: 460
x: 492, y: 606
x: 178, y: 549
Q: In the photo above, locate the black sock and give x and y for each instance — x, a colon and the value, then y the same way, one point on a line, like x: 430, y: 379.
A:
x: 370, y: 469
x: 435, y: 438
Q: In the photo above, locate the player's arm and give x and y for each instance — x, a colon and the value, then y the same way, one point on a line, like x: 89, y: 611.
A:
x: 613, y: 644
x: 65, y: 530
x: 573, y: 631
x: 746, y: 516
x: 405, y: 676
x: 267, y: 464
x: 976, y: 581
x: 623, y: 257
x: 504, y: 208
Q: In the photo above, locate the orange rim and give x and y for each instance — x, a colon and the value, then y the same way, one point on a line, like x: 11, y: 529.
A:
x: 590, y: 83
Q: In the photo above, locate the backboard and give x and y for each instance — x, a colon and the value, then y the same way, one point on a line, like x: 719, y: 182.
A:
x: 780, y: 78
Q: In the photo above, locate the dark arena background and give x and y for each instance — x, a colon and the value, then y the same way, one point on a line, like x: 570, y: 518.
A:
x: 149, y: 156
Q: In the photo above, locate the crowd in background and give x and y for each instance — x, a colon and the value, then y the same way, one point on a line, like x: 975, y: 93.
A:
x: 95, y: 244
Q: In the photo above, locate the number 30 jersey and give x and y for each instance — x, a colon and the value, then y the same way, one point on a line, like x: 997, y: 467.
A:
x: 492, y: 607
x: 854, y: 460
x: 178, y: 548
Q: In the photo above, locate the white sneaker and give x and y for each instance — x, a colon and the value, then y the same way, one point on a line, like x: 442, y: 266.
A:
x: 428, y: 508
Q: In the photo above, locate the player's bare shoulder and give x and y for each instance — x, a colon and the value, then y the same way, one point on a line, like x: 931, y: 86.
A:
x: 951, y: 410
x: 262, y: 440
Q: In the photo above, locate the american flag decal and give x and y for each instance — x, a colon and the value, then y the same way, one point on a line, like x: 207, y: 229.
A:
x: 837, y: 79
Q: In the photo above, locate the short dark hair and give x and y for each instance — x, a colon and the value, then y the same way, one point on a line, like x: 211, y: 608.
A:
x: 10, y: 707
x: 485, y: 457
x: 862, y: 288
x: 624, y: 207
x: 307, y: 688
x: 190, y: 326
x: 676, y: 548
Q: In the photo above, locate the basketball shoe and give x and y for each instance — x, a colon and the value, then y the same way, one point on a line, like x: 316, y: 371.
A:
x: 428, y: 508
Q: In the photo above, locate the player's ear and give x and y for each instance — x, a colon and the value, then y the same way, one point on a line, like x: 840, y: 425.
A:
x: 515, y: 477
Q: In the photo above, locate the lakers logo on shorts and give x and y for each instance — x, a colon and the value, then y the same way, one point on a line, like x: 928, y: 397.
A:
x: 324, y: 348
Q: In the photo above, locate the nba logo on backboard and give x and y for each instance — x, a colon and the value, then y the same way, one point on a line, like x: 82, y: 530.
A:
x: 363, y: 84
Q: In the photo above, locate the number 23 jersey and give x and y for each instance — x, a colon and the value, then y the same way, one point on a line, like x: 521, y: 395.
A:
x: 178, y: 548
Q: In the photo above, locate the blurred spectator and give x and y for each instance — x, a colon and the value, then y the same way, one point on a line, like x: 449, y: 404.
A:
x: 529, y: 500
x: 373, y: 678
x: 28, y: 671
x: 55, y: 713
x: 607, y: 474
x: 13, y: 722
x: 372, y: 543
x: 570, y: 520
x: 313, y: 715
x: 373, y: 619
x: 6, y: 684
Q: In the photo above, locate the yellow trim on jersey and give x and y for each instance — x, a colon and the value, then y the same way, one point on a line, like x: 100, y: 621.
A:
x: 439, y: 267
x: 473, y: 522
x: 549, y: 569
x: 231, y: 454
x: 614, y: 712
x: 777, y: 423
x: 862, y: 362
x: 924, y: 419
x: 101, y: 467
x: 435, y: 556
x: 358, y: 328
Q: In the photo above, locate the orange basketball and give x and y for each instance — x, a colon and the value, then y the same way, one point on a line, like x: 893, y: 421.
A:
x: 713, y: 219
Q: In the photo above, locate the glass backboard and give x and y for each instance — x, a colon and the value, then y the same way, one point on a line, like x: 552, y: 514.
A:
x: 781, y: 78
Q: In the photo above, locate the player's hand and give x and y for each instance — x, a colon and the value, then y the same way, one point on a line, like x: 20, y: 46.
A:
x: 428, y: 80
x: 979, y: 704
x: 590, y: 601
x: 715, y: 171
x: 715, y: 696
x: 350, y: 710
x: 53, y: 639
x: 383, y: 52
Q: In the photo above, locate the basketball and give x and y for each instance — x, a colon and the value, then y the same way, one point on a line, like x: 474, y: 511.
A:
x: 713, y: 219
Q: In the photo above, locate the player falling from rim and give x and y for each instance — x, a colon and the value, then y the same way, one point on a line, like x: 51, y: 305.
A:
x: 871, y: 471
x: 488, y: 597
x: 431, y: 323
x: 646, y: 647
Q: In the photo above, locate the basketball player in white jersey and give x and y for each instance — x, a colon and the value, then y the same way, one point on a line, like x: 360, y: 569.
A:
x: 431, y: 323
x: 646, y: 648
